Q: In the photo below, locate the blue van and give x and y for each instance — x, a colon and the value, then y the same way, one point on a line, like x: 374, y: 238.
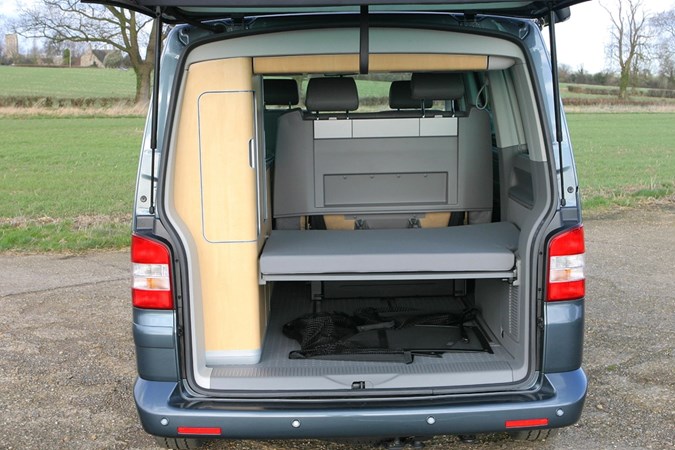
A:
x: 356, y: 219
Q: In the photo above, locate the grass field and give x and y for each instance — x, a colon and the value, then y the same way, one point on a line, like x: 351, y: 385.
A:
x: 624, y: 158
x: 67, y: 83
x: 67, y: 183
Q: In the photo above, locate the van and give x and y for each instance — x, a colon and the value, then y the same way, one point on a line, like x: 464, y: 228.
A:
x: 357, y: 220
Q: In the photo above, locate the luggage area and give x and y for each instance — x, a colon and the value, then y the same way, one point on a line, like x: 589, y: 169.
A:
x: 412, y: 347
x: 281, y: 189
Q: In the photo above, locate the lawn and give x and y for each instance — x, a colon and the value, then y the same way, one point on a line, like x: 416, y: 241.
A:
x: 67, y: 183
x: 623, y: 158
x: 66, y: 83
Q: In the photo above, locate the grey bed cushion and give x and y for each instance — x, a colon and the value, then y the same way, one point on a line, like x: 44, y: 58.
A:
x: 469, y: 248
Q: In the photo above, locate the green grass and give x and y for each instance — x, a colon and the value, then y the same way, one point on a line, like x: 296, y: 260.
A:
x: 66, y: 82
x: 623, y: 159
x: 67, y: 183
x: 375, y: 89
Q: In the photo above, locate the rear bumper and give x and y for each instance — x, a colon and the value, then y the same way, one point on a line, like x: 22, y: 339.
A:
x: 162, y: 411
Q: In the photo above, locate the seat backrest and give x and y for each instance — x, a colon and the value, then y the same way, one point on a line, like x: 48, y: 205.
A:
x: 281, y: 92
x: 277, y: 92
x: 400, y: 97
x: 377, y: 169
x: 331, y: 97
x: 438, y: 86
x: 474, y: 125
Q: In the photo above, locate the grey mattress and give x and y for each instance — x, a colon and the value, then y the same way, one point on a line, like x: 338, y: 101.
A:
x: 470, y: 248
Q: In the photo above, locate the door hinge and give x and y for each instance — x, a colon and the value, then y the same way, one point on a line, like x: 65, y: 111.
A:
x: 540, y: 323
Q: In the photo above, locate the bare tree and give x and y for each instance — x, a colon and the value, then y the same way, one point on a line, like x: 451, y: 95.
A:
x: 664, y: 25
x: 665, y: 21
x: 629, y: 39
x: 4, y: 29
x: 72, y: 21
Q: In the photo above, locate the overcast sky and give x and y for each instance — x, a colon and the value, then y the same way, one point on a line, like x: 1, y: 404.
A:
x: 8, y: 7
x: 581, y: 40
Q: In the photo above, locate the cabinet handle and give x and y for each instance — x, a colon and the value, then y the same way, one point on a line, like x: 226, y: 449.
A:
x: 252, y: 159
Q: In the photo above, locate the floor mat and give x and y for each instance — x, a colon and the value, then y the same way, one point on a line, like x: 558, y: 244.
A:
x: 291, y: 300
x: 372, y: 335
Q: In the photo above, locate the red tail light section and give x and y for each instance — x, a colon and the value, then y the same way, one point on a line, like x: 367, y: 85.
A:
x: 151, y: 276
x: 566, y: 279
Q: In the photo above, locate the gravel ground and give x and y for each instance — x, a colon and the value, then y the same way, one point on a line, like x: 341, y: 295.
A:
x: 67, y: 365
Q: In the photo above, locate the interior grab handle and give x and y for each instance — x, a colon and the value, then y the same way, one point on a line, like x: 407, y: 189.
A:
x: 253, y: 163
x: 252, y: 157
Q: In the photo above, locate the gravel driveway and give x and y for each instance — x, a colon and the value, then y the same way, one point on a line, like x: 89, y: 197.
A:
x: 67, y: 364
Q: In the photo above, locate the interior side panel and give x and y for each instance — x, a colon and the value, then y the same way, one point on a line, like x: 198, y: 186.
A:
x: 214, y: 195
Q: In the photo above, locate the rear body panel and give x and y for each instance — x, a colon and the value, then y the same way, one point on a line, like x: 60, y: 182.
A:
x: 155, y: 339
x: 551, y: 385
x: 560, y: 401
x: 220, y: 346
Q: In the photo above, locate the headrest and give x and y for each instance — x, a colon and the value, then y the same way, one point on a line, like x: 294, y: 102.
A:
x: 282, y: 92
x: 332, y: 94
x: 437, y: 86
x: 400, y: 96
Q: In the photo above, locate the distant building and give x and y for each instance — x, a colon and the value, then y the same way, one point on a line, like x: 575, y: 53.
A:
x: 11, y: 46
x: 93, y: 57
x: 74, y: 61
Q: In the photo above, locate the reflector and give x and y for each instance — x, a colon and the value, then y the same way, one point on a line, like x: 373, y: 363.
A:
x: 209, y: 431
x: 526, y: 423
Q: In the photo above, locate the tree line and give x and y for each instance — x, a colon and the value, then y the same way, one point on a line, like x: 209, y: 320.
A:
x: 641, y: 45
x: 644, y: 79
x: 70, y: 21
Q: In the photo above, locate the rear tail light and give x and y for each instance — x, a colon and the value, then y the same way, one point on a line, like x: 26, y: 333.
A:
x: 566, y: 280
x: 151, y: 276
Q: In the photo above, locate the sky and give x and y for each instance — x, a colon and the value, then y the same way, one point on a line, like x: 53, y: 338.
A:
x: 581, y: 40
x: 9, y: 7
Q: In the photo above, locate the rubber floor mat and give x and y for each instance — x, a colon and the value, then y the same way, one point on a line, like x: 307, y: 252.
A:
x: 423, y: 338
x: 370, y: 335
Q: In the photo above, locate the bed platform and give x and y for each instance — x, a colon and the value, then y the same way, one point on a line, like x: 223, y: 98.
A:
x: 461, y: 252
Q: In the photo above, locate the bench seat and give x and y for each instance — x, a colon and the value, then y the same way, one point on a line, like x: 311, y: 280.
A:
x: 453, y: 252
